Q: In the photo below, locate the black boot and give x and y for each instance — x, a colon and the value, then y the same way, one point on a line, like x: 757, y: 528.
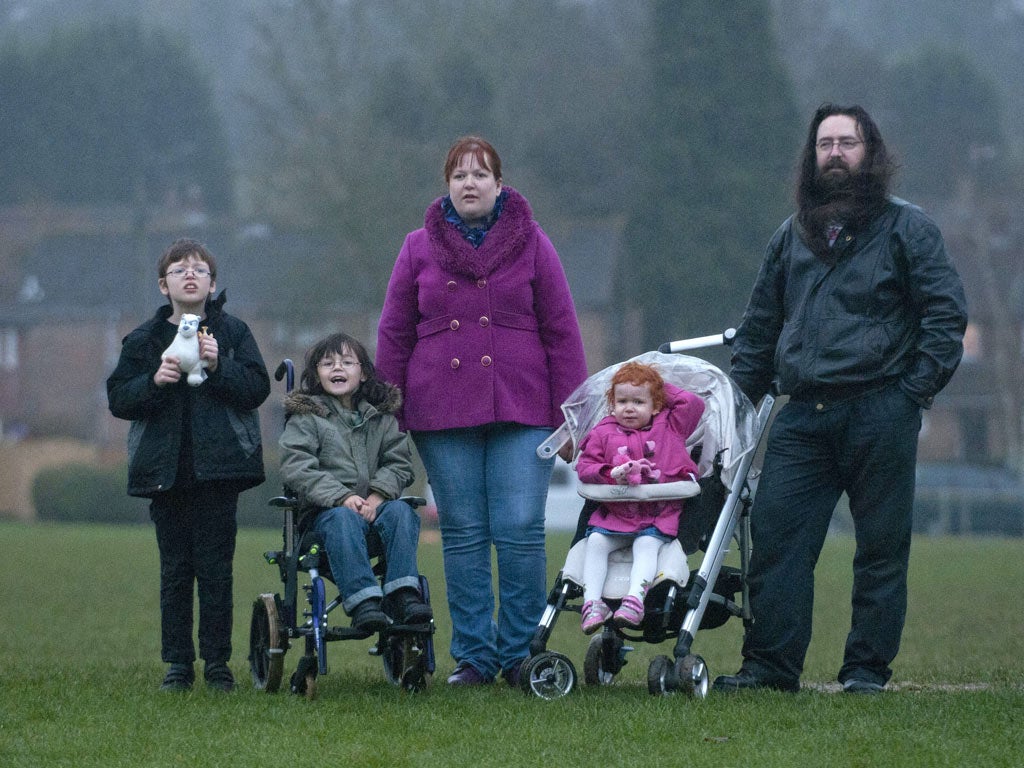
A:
x: 179, y: 677
x: 411, y: 609
x: 368, y: 617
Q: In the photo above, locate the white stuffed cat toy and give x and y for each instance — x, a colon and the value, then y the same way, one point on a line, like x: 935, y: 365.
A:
x: 185, y: 347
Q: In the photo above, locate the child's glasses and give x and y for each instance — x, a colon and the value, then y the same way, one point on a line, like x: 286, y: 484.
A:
x: 330, y: 362
x: 182, y: 271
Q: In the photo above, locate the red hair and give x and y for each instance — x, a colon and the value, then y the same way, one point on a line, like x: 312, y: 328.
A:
x: 639, y: 375
x: 479, y: 148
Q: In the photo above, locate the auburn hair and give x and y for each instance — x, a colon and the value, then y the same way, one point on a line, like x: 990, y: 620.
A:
x: 639, y: 375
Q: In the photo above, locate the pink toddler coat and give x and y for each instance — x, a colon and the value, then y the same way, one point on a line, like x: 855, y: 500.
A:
x: 662, y: 442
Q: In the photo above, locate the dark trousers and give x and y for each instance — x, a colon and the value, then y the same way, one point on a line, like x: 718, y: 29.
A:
x: 866, y: 447
x: 195, y: 531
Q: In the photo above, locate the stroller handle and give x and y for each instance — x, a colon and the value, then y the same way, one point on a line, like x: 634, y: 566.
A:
x: 723, y: 339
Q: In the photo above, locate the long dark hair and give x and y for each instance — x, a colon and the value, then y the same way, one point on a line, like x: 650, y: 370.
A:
x: 374, y: 389
x: 867, y: 194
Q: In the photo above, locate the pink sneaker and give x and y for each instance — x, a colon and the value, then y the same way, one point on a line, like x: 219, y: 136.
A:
x: 630, y: 613
x: 595, y: 614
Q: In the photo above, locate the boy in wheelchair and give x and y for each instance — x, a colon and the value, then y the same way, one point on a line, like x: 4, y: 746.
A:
x: 344, y: 457
x: 642, y: 441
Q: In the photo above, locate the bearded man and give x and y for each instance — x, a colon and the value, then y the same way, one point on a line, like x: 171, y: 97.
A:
x: 858, y: 316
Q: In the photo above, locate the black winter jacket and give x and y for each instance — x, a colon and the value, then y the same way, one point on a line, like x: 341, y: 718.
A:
x: 224, y: 425
x: 888, y: 307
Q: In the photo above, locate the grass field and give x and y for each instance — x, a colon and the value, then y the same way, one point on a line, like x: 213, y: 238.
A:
x: 79, y: 669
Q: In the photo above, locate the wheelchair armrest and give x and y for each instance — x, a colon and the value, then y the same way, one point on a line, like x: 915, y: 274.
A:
x: 283, y: 501
x: 413, y: 501
x: 680, y: 489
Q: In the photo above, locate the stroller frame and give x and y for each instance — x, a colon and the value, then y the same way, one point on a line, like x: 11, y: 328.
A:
x: 407, y: 651
x: 550, y: 674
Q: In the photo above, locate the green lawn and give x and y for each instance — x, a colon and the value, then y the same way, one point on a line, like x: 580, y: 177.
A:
x: 79, y: 669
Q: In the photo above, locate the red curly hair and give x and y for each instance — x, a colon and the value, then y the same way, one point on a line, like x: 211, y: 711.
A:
x: 639, y: 375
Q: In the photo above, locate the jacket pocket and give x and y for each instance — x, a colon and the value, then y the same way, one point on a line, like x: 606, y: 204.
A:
x: 246, y: 426
x: 430, y: 327
x: 514, y: 320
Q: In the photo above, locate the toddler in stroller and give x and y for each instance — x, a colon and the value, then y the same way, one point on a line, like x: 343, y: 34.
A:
x: 717, y: 430
x: 642, y: 441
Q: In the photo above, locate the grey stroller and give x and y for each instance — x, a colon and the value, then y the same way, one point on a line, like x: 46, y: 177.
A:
x: 715, y: 514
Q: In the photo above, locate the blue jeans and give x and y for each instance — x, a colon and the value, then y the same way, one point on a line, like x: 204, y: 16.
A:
x: 344, y: 534
x: 491, y: 488
x: 866, y: 447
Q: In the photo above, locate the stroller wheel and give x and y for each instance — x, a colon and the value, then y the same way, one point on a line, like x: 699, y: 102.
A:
x: 687, y: 675
x: 266, y: 652
x: 596, y: 667
x: 661, y: 677
x: 548, y: 675
x: 692, y: 673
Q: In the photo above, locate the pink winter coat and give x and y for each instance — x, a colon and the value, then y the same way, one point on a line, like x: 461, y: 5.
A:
x: 474, y: 336
x: 662, y: 442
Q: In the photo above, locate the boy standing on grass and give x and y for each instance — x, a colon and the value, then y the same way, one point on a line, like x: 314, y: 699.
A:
x: 191, y: 451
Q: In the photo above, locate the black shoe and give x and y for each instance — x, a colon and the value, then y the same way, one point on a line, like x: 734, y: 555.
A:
x: 745, y: 680
x: 862, y: 687
x: 179, y: 677
x: 368, y: 617
x: 218, y: 677
x: 411, y: 609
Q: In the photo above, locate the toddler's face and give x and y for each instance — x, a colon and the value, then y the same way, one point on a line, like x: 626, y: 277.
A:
x: 632, y: 405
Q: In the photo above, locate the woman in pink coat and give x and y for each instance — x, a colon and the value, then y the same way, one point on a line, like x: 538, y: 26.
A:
x: 642, y: 441
x: 480, y: 333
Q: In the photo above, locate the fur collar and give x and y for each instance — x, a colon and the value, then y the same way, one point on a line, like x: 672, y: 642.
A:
x: 320, y: 405
x: 505, y: 239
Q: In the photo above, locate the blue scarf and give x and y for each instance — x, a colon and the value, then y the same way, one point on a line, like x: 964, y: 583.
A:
x: 475, y: 235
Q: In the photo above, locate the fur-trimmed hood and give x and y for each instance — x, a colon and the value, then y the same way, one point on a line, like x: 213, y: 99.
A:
x: 319, y: 405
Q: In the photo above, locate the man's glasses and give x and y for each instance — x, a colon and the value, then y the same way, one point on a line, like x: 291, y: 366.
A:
x: 182, y: 271
x: 845, y: 145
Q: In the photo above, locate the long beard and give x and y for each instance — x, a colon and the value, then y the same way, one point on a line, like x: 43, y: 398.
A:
x: 838, y: 195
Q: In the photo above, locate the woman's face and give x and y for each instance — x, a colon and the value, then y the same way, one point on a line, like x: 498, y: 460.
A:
x: 473, y: 190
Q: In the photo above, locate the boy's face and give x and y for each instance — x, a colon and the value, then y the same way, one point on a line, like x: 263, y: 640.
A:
x: 188, y: 284
x: 632, y: 405
x: 340, y: 375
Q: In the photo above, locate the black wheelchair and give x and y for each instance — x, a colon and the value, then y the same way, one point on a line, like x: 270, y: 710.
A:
x: 407, y: 650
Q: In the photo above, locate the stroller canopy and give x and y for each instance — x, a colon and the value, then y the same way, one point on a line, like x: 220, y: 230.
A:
x: 726, y: 430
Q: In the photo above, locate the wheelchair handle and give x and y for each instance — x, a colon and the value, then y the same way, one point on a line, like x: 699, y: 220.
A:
x: 286, y: 368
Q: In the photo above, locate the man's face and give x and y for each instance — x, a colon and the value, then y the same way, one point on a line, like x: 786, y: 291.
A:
x: 839, y: 148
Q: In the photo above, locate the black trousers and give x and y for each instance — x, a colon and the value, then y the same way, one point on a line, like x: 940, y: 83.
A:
x: 866, y: 447
x: 195, y: 531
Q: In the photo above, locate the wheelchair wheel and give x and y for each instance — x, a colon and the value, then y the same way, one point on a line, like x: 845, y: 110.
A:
x: 266, y: 654
x: 416, y: 678
x: 406, y: 663
x: 318, y: 615
x: 596, y: 670
x: 548, y: 675
x: 393, y: 656
x: 304, y: 678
